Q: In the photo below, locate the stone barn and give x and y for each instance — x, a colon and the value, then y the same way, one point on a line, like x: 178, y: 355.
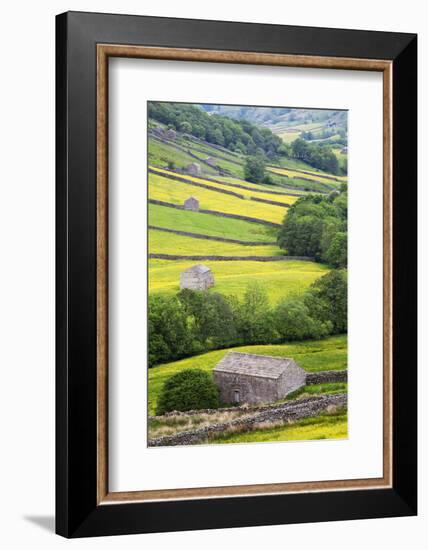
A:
x: 197, y: 277
x: 194, y: 169
x: 170, y: 134
x: 211, y: 161
x: 191, y: 204
x: 250, y: 378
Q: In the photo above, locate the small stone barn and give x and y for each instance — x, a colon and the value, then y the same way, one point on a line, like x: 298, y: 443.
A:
x: 191, y: 204
x: 197, y: 277
x: 170, y: 134
x: 249, y: 378
x: 211, y: 161
x: 194, y: 169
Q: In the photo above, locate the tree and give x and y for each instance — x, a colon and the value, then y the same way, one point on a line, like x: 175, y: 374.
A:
x: 236, y: 135
x: 254, y: 169
x: 169, y: 334
x: 337, y: 253
x: 185, y: 127
x: 218, y: 137
x: 240, y: 148
x: 211, y: 317
x: 315, y: 225
x: 294, y: 322
x: 190, y: 389
x: 327, y: 299
x: 254, y: 317
x: 318, y: 155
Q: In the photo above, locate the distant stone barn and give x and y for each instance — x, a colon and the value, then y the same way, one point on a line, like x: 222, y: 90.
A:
x: 197, y: 277
x: 194, y: 169
x: 170, y: 134
x: 191, y: 204
x: 250, y: 378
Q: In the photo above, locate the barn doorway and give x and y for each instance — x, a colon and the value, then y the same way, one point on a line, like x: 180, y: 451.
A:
x: 237, y: 397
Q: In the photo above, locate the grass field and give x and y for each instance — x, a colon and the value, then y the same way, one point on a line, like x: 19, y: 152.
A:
x: 159, y: 154
x: 296, y: 164
x: 312, y: 355
x: 207, y: 224
x: 289, y: 137
x: 167, y: 190
x: 169, y: 243
x: 260, y: 187
x: 255, y: 191
x: 327, y: 426
x: 206, y: 150
x: 314, y: 176
x: 279, y: 279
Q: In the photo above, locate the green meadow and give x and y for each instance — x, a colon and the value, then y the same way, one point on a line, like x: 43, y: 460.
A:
x: 208, y: 224
x: 162, y: 154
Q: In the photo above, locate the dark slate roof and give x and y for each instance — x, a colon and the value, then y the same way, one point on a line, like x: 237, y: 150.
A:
x: 199, y: 268
x: 235, y: 362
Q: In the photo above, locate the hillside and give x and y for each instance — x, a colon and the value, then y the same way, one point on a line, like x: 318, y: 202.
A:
x: 210, y: 215
x: 286, y: 122
x: 251, y: 131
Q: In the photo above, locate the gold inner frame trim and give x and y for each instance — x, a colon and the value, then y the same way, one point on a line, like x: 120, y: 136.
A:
x: 104, y: 51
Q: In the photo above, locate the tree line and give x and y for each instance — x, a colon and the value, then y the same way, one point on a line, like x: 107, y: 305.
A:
x: 318, y: 155
x: 192, y: 322
x: 240, y: 136
x: 316, y: 225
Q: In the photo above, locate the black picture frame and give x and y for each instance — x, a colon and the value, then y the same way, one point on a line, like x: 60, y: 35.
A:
x: 77, y: 512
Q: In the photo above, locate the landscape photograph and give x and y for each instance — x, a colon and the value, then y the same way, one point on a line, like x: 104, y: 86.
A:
x: 247, y: 274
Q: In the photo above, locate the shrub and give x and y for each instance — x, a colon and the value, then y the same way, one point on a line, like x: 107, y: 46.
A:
x: 190, y: 389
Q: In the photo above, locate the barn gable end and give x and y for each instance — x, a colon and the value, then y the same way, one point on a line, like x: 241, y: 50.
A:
x: 197, y: 277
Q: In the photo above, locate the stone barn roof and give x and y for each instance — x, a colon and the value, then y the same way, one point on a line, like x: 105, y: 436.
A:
x: 199, y: 269
x: 265, y: 366
x: 192, y: 198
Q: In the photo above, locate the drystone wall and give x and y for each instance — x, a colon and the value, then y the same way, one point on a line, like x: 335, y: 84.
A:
x: 301, y: 408
x: 200, y: 258
x: 327, y: 376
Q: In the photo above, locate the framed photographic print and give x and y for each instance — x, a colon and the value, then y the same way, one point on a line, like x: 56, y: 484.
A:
x: 236, y: 274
